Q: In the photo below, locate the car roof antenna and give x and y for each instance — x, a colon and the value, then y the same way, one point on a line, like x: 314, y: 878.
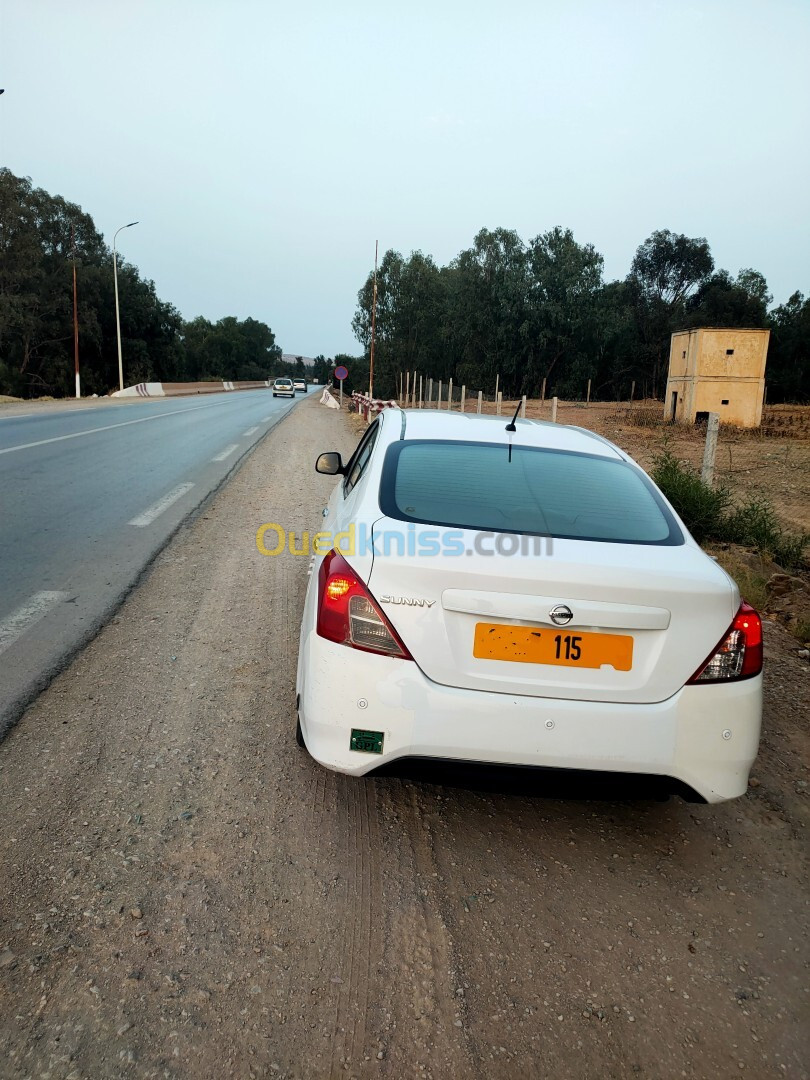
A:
x: 511, y: 427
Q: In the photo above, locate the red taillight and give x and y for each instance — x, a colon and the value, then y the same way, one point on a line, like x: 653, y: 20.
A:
x: 348, y: 613
x: 739, y: 654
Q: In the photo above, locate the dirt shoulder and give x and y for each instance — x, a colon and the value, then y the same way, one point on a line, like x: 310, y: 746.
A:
x: 184, y: 893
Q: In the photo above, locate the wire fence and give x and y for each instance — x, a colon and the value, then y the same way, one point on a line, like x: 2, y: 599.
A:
x: 417, y: 391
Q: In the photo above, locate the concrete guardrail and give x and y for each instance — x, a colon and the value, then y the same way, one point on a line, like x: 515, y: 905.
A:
x: 161, y: 389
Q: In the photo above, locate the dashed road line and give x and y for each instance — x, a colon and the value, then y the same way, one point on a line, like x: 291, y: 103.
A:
x: 108, y: 427
x: 24, y: 617
x: 226, y: 452
x: 250, y: 431
x: 156, y: 509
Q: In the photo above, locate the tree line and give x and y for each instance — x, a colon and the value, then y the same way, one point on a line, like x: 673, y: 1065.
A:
x: 541, y: 312
x: 40, y: 237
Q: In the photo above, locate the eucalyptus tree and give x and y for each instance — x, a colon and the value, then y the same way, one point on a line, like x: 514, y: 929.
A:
x: 666, y: 270
x: 566, y: 281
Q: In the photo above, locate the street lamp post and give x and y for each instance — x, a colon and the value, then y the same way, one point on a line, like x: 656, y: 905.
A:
x: 117, y: 311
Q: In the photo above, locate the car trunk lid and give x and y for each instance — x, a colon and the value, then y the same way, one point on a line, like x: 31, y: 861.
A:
x: 646, y: 616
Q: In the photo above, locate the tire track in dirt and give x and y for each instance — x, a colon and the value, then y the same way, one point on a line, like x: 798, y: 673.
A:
x: 360, y: 904
x: 420, y: 1009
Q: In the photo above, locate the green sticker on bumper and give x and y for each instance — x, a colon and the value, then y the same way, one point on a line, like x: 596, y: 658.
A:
x: 366, y: 742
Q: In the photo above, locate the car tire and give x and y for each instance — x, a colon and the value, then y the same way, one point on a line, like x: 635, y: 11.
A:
x: 299, y: 735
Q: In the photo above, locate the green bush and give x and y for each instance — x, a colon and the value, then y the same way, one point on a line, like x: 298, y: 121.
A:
x: 702, y: 508
x: 708, y: 513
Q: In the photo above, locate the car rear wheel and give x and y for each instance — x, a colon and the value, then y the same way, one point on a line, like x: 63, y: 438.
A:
x: 299, y: 735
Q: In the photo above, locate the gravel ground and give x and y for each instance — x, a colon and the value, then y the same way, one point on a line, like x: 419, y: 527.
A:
x: 184, y: 893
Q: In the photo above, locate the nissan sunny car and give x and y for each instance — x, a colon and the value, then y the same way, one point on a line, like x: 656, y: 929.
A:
x: 520, y: 597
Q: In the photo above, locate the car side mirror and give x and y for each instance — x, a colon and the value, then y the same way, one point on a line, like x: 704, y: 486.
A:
x: 331, y: 464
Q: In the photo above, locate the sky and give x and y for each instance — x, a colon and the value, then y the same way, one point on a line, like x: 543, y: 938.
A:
x: 264, y: 147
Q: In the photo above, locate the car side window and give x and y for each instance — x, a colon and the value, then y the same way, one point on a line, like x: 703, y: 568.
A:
x: 360, y: 458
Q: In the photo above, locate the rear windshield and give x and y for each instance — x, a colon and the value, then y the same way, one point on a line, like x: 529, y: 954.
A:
x: 471, y: 485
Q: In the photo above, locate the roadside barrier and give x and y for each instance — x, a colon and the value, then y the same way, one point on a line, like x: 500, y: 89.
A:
x: 161, y: 389
x: 366, y: 405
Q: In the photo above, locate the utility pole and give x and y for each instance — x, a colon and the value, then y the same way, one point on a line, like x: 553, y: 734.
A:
x: 75, y: 314
x: 117, y: 308
x: 373, y: 324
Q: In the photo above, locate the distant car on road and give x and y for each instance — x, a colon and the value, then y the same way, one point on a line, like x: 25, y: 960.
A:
x: 283, y: 388
x: 300, y: 386
x: 521, y: 594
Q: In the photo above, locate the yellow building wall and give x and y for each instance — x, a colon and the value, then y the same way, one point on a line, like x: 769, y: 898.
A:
x: 734, y: 401
x: 679, y: 349
x: 747, y: 359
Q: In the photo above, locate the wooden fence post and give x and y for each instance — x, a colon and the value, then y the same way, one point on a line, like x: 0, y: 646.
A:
x: 523, y: 407
x: 439, y: 398
x: 480, y: 398
x: 710, y: 450
x: 430, y: 392
x: 450, y: 395
x: 498, y: 400
x: 420, y: 391
x: 632, y: 389
x: 588, y: 398
x: 554, y: 410
x: 463, y: 397
x: 543, y: 393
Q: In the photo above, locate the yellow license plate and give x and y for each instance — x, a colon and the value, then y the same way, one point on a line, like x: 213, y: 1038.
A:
x: 568, y: 648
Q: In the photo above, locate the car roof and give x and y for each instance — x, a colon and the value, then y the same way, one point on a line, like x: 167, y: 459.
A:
x: 474, y: 427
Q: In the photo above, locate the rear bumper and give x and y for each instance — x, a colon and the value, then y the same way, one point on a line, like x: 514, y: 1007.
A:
x: 704, y: 736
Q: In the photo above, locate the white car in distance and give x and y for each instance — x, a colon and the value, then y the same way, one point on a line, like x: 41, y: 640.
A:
x: 283, y: 388
x: 521, y: 595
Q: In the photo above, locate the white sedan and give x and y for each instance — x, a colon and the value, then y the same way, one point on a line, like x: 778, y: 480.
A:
x: 521, y: 594
x: 283, y: 388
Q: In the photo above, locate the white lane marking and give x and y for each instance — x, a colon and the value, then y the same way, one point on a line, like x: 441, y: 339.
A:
x: 265, y: 419
x: 250, y: 431
x: 156, y: 509
x: 226, y: 452
x: 108, y: 427
x: 24, y: 617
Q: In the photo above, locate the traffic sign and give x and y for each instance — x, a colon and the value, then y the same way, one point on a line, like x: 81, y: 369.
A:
x: 341, y: 373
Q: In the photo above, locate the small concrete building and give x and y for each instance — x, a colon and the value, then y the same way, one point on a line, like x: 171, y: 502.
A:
x: 717, y: 371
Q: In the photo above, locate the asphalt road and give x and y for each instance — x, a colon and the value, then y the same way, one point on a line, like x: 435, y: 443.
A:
x: 87, y: 496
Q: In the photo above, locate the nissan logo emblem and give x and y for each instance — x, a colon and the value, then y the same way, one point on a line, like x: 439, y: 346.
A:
x: 561, y: 615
